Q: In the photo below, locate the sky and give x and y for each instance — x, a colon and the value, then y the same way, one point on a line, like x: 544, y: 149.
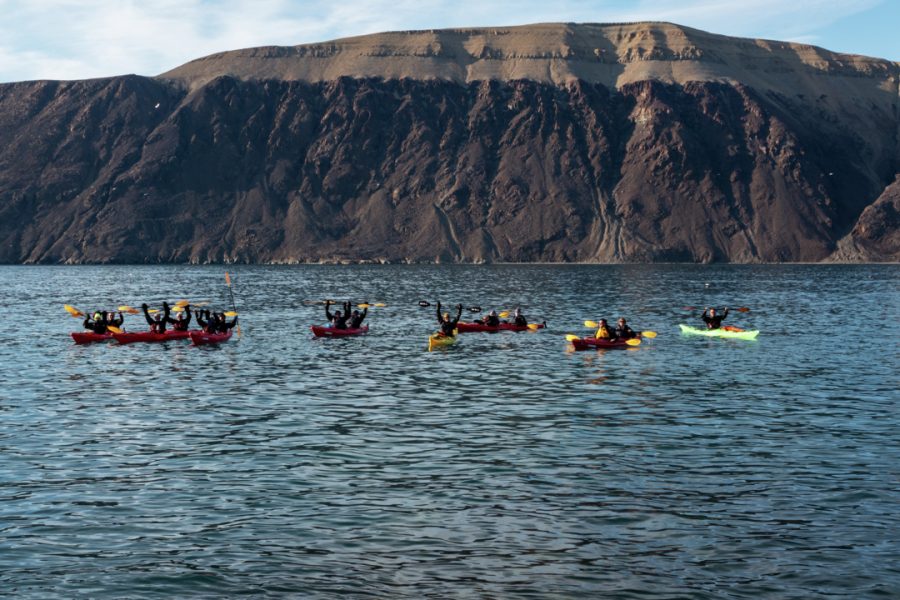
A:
x: 80, y: 39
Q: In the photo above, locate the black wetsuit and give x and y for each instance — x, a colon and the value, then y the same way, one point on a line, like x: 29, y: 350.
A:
x: 492, y: 321
x: 449, y: 325
x: 98, y: 326
x: 521, y: 321
x: 157, y: 325
x: 624, y: 333
x: 181, y: 324
x: 356, y: 321
x: 338, y: 322
x: 714, y: 322
x: 224, y: 326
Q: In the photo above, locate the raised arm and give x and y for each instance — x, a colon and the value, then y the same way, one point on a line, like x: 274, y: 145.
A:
x: 438, y: 313
x: 147, y: 316
x: 328, y: 314
x: 458, y: 314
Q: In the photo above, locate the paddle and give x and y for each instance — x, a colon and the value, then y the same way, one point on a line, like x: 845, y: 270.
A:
x: 127, y: 309
x: 230, y: 313
x: 743, y: 309
x: 572, y: 337
x: 233, y: 308
x: 534, y: 326
x: 114, y: 329
x: 182, y: 303
x: 73, y: 311
x: 374, y: 304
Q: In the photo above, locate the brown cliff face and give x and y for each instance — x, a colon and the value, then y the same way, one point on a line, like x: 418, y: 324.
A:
x: 211, y: 163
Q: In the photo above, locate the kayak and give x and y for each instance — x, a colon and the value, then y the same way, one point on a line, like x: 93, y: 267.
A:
x: 150, y: 337
x: 437, y: 340
x: 320, y: 331
x: 588, y: 343
x: 89, y: 337
x: 471, y: 327
x: 199, y: 338
x: 740, y: 335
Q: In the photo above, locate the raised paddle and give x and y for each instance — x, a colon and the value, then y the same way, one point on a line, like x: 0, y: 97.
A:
x: 230, y: 313
x: 73, y: 311
x: 572, y: 337
x: 182, y: 303
x: 591, y: 324
x: 233, y: 308
x: 128, y: 309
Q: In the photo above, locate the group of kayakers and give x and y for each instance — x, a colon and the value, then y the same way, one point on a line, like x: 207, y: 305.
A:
x: 621, y: 332
x: 102, y: 322
x: 349, y: 318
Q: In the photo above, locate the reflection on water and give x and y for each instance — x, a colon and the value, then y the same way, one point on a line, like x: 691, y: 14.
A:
x: 505, y: 465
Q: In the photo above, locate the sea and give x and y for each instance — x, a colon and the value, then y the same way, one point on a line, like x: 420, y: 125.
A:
x: 504, y: 466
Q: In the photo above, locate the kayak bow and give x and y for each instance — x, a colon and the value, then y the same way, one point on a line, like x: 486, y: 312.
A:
x: 740, y: 335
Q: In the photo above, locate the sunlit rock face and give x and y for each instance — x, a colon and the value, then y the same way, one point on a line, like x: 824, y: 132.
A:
x: 556, y: 142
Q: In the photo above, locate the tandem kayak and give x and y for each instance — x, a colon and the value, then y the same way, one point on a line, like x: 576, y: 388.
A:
x: 472, y: 327
x: 89, y: 337
x: 200, y: 338
x: 150, y: 337
x: 320, y: 331
x: 438, y: 340
x: 725, y: 333
x: 589, y: 343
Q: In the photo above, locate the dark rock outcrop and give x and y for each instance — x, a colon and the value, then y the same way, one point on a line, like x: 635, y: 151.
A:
x: 206, y: 166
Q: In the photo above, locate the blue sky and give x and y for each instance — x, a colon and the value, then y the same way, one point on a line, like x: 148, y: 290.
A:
x: 75, y: 39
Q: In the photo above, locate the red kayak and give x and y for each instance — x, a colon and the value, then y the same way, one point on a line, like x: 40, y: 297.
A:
x: 320, y: 331
x: 472, y: 327
x: 588, y: 343
x: 150, y: 337
x: 200, y: 338
x: 89, y: 337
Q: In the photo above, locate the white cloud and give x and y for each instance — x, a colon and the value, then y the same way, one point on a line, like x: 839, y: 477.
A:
x: 74, y: 39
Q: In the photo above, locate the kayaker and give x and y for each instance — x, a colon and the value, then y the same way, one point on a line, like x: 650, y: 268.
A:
x: 112, y: 320
x: 519, y: 319
x: 491, y: 320
x: 206, y: 321
x: 448, y: 325
x: 338, y: 320
x: 357, y: 318
x: 95, y: 322
x: 623, y: 331
x: 712, y: 320
x: 157, y: 323
x: 603, y: 331
x: 222, y: 324
x: 182, y: 321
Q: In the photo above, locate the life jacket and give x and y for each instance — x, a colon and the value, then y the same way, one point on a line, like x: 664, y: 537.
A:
x: 603, y: 333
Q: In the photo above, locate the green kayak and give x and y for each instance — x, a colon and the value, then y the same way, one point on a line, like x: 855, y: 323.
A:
x: 741, y: 335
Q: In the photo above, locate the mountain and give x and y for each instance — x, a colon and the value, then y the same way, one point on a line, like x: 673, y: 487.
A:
x: 554, y: 142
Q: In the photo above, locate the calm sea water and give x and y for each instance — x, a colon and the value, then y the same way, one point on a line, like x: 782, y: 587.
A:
x: 505, y: 466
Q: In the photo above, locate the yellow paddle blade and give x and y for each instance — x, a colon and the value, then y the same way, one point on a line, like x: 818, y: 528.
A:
x: 231, y: 313
x: 201, y: 303
x: 114, y: 329
x: 504, y: 314
x: 533, y: 326
x: 125, y: 308
x: 380, y: 304
x: 153, y: 310
x: 178, y: 309
x: 363, y: 305
x: 72, y: 310
x: 182, y: 303
x: 572, y: 338
x: 227, y: 278
x: 633, y: 342
x: 648, y: 334
x: 591, y: 324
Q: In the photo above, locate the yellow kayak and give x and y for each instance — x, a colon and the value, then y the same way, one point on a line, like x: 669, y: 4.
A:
x: 437, y: 340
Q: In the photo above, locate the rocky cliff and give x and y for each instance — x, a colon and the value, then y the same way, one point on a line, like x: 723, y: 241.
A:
x: 606, y: 143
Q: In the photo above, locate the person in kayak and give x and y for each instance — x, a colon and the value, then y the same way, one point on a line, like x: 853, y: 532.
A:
x: 206, y: 321
x: 519, y: 319
x: 111, y: 319
x: 222, y: 325
x: 491, y: 320
x: 603, y: 331
x: 448, y: 325
x: 712, y: 320
x: 95, y: 322
x: 338, y: 320
x: 357, y: 318
x: 157, y: 323
x: 182, y: 321
x: 623, y: 331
